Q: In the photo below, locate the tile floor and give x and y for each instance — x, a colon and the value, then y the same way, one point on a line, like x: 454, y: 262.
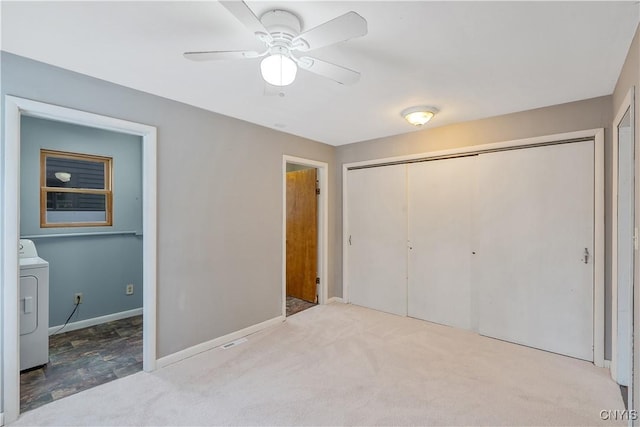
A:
x: 295, y: 305
x: 82, y: 359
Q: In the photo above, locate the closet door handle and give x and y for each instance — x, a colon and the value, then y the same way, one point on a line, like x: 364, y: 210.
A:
x: 349, y: 239
x: 585, y: 257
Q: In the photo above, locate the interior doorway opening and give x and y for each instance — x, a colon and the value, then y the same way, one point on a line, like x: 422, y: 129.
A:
x: 302, y: 237
x: 304, y: 234
x: 87, y: 325
x: 15, y: 109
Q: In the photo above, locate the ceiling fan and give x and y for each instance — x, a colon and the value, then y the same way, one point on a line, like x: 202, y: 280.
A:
x: 280, y: 31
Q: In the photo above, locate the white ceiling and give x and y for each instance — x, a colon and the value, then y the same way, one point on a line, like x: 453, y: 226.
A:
x: 469, y: 59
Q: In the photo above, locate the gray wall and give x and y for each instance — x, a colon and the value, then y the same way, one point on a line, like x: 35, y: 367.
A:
x: 219, y: 201
x: 99, y: 267
x: 580, y: 115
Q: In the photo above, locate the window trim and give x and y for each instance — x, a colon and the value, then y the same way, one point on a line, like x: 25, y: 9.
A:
x: 107, y: 191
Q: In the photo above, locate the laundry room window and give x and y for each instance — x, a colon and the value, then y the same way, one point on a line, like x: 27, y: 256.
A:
x: 75, y: 190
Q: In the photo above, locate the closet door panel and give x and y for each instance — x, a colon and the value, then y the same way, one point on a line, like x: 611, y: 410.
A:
x: 439, y: 198
x: 534, y: 222
x: 377, y: 243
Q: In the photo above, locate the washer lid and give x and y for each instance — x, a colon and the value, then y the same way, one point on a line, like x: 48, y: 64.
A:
x: 29, y: 263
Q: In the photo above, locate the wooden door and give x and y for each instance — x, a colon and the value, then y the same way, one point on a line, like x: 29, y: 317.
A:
x: 534, y: 219
x: 377, y: 242
x: 440, y: 253
x: 302, y: 234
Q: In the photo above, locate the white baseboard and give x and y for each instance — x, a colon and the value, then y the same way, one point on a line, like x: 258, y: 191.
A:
x: 334, y: 299
x: 607, y: 364
x: 1, y: 418
x: 217, y: 342
x: 96, y: 320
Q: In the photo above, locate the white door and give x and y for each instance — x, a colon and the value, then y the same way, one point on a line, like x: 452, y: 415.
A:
x: 440, y: 202
x: 377, y: 242
x: 534, y: 219
x: 622, y: 307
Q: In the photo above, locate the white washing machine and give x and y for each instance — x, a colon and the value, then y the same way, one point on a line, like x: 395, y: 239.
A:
x: 34, y: 307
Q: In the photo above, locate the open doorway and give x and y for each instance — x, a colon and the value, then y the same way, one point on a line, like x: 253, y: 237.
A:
x: 302, y: 237
x: 81, y: 215
x: 304, y: 234
x: 15, y: 109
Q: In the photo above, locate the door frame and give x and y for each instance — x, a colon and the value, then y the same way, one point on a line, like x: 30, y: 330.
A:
x: 627, y: 105
x: 599, y: 224
x: 15, y: 108
x: 323, y: 226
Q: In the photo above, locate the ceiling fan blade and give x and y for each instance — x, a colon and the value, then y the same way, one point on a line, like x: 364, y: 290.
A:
x: 241, y: 11
x: 221, y: 55
x: 331, y: 71
x: 344, y: 27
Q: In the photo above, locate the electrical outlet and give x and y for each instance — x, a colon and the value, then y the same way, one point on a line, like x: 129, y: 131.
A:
x: 129, y: 290
x: 77, y: 298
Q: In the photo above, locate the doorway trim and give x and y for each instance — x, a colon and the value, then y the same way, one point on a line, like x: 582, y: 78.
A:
x: 627, y: 105
x: 599, y: 224
x: 15, y: 108
x: 323, y: 226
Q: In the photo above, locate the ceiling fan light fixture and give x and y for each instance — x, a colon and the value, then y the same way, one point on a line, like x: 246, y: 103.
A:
x: 418, y: 116
x: 278, y: 70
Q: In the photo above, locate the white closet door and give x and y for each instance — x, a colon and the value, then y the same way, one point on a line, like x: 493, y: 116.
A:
x: 534, y: 219
x: 440, y: 195
x: 377, y: 242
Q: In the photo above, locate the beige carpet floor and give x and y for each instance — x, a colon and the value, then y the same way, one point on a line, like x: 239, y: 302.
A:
x: 345, y: 365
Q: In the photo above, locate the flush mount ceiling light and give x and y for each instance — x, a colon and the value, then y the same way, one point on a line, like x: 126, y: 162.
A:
x: 419, y: 115
x: 278, y: 70
x: 63, y: 176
